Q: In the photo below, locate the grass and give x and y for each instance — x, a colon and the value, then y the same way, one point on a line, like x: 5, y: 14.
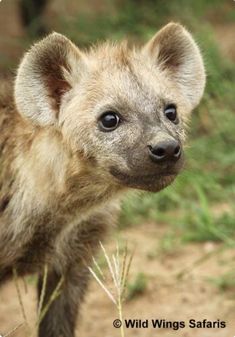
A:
x: 30, y: 327
x: 118, y: 266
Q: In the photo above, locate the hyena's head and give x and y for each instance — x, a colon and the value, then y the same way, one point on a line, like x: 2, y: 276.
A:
x: 122, y: 110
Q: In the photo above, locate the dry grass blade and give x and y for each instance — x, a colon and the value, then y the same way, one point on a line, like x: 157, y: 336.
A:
x: 186, y: 270
x: 108, y: 292
x: 123, y: 267
x: 15, y: 276
x: 13, y: 330
x: 43, y: 291
x: 109, y: 264
x: 54, y: 295
x: 25, y: 285
x: 118, y: 257
x: 119, y: 273
x: 98, y: 267
x: 41, y: 311
x: 125, y: 277
x: 116, y: 270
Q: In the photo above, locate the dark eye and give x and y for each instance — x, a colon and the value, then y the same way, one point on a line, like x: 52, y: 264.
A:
x: 171, y: 113
x: 109, y: 121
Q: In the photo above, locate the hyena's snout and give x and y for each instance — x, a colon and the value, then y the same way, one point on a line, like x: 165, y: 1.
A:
x: 165, y: 151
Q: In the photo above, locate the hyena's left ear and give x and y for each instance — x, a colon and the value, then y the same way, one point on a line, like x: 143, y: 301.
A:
x: 174, y: 51
x: 45, y: 74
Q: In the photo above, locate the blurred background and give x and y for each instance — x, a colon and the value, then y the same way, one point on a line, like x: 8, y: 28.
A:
x: 184, y: 237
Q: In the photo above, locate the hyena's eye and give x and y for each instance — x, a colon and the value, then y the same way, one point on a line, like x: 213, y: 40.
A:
x: 109, y: 121
x: 171, y: 113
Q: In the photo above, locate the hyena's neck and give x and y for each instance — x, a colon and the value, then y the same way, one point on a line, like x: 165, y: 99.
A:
x: 51, y: 178
x: 43, y: 190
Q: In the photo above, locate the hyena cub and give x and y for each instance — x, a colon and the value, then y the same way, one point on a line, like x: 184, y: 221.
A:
x: 79, y: 129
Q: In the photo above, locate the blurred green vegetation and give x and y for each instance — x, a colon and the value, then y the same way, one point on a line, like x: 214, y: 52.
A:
x: 199, y: 206
x: 225, y: 281
x: 137, y: 287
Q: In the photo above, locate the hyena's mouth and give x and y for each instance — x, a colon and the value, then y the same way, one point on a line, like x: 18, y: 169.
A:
x: 151, y: 182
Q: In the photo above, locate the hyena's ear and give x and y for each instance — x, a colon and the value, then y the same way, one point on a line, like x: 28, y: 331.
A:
x: 45, y: 74
x: 174, y: 51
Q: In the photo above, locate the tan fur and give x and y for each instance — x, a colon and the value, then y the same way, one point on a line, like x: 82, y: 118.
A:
x: 61, y: 176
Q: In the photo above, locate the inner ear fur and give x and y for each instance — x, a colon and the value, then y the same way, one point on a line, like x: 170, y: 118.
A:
x: 44, y: 75
x: 174, y: 51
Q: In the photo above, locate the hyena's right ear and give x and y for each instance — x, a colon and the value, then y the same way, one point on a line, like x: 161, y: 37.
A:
x: 45, y: 74
x: 174, y: 51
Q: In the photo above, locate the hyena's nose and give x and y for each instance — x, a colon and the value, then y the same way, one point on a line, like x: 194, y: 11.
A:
x: 168, y: 150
